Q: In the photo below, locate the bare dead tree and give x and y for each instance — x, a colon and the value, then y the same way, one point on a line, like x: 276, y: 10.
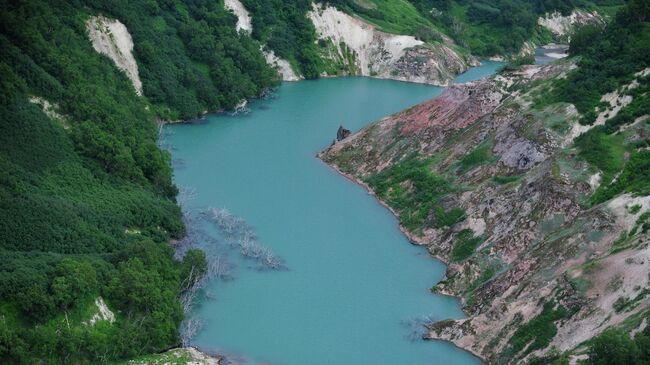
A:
x: 188, y: 330
x: 234, y: 235
x: 417, y: 326
x: 239, y: 234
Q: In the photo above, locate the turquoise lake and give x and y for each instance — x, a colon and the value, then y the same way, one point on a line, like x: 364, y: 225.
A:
x: 354, y: 289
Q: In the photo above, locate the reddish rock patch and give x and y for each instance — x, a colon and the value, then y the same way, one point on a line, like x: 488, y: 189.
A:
x: 458, y: 107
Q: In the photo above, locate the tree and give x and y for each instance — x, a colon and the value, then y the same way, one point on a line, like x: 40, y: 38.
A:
x: 614, y: 347
x: 74, y: 281
x: 193, y: 267
x: 584, y: 38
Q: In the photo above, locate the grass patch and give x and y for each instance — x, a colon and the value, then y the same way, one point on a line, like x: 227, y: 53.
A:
x: 580, y: 284
x: 480, y: 155
x: 539, y: 331
x: 171, y: 357
x: 641, y: 223
x: 392, y: 16
x: 411, y: 188
x: 634, y: 209
x: 603, y: 151
x: 487, y: 273
x: 635, y: 179
x: 506, y: 179
x: 464, y: 245
x: 624, y: 304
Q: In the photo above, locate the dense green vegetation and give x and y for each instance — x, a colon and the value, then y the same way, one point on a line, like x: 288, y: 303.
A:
x: 609, y: 59
x: 86, y: 199
x: 393, y: 16
x: 284, y: 27
x: 603, y: 151
x: 615, y: 347
x: 190, y: 57
x: 479, y: 156
x: 635, y: 179
x: 415, y: 192
x: 464, y: 245
x: 488, y: 27
x: 497, y: 27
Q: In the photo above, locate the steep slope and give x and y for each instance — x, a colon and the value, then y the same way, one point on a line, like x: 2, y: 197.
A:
x: 563, y: 26
x: 189, y: 55
x: 368, y: 51
x: 87, y: 203
x: 337, y: 43
x: 110, y: 37
x: 480, y: 177
x: 533, y: 185
x: 507, y: 29
x: 243, y: 18
x: 244, y: 23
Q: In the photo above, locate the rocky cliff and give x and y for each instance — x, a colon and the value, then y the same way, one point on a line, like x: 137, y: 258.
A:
x: 354, y: 46
x: 562, y: 26
x: 244, y: 23
x: 368, y: 51
x: 492, y: 184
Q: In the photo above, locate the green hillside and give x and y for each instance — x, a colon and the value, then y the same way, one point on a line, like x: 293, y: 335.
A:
x: 87, y: 203
x: 500, y: 27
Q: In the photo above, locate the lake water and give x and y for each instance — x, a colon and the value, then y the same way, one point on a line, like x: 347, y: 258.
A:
x: 355, y: 289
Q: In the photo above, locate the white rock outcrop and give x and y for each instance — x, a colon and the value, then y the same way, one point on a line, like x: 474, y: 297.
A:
x: 283, y: 66
x: 243, y: 18
x: 50, y: 109
x: 244, y: 23
x: 358, y: 35
x: 562, y: 26
x: 385, y: 55
x: 103, y: 313
x: 111, y: 38
x: 614, y: 101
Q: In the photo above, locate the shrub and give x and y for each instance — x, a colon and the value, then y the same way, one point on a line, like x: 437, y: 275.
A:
x: 464, y: 245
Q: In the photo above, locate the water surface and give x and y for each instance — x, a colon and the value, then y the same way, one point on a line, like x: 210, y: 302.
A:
x: 550, y: 52
x: 353, y: 283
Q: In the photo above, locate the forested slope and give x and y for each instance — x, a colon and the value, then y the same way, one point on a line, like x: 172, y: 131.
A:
x: 87, y: 205
x: 502, y: 27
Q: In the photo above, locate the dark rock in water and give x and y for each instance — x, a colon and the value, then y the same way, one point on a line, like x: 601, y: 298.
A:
x: 342, y: 133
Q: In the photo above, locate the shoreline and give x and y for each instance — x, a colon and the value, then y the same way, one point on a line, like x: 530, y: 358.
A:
x: 412, y: 239
x: 201, y: 118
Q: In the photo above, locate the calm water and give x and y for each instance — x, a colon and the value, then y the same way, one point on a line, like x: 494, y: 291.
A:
x: 550, y: 53
x: 354, y: 286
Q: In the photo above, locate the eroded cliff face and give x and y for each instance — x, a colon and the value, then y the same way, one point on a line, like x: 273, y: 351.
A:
x: 245, y: 24
x: 539, y: 270
x: 359, y: 48
x: 563, y: 26
x: 283, y: 66
x: 368, y: 51
x: 111, y: 38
